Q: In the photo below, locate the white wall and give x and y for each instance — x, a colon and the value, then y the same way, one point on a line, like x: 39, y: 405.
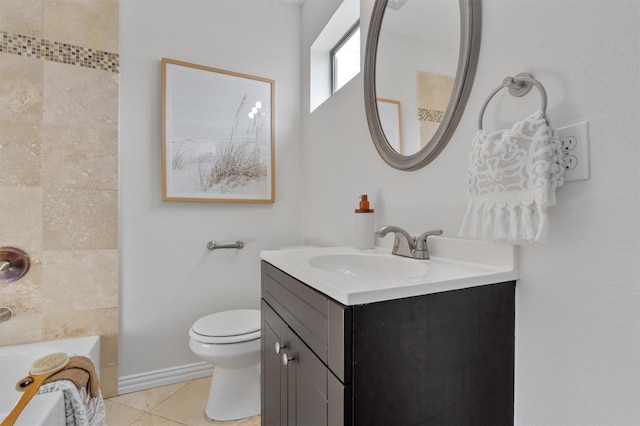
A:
x: 578, y: 313
x: 168, y: 277
x: 578, y: 299
x: 396, y: 75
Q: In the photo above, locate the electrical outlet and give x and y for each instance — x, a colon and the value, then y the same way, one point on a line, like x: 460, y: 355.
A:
x: 568, y: 143
x: 574, y: 141
x: 570, y: 162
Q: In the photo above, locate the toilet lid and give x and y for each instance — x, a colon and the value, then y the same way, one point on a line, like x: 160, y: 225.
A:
x: 229, y: 323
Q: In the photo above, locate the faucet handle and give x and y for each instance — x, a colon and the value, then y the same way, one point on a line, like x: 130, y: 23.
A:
x: 422, y: 251
x: 403, y: 244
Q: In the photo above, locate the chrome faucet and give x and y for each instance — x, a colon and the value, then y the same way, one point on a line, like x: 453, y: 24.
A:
x: 406, y: 245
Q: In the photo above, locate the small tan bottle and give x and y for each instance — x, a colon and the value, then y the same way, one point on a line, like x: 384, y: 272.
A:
x: 364, y: 226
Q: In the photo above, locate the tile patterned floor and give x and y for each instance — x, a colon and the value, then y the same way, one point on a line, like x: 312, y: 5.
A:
x: 181, y: 404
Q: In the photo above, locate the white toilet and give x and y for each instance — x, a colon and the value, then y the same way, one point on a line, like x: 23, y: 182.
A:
x: 230, y: 340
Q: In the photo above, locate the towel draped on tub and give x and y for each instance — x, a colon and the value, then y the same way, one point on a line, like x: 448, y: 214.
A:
x: 83, y: 401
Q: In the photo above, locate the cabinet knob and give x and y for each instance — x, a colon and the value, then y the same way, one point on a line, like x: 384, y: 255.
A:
x: 286, y: 359
x: 279, y: 347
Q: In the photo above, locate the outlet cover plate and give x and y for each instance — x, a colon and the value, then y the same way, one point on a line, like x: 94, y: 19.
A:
x: 574, y: 140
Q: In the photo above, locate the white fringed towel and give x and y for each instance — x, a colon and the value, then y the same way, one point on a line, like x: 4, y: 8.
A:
x: 80, y: 408
x: 512, y: 180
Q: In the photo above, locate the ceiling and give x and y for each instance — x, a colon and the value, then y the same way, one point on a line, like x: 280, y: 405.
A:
x: 434, y: 20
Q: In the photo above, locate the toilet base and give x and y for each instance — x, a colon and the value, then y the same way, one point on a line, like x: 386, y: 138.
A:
x: 234, y: 393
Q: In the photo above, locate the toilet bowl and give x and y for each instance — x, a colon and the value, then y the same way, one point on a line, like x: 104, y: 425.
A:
x: 230, y: 340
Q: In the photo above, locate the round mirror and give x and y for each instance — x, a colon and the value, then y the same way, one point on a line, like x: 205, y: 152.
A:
x: 420, y: 61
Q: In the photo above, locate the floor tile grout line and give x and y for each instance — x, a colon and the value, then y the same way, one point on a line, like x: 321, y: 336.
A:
x: 166, y: 418
x: 184, y: 384
x: 143, y: 413
x: 150, y: 411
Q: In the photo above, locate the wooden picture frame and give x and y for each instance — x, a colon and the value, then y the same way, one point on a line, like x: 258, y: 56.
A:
x: 217, y: 135
x: 389, y: 113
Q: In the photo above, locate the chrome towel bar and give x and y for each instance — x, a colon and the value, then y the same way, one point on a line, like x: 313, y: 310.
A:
x: 212, y: 245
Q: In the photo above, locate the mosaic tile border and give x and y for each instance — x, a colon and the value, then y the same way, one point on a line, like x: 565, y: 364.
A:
x: 430, y: 115
x: 25, y: 45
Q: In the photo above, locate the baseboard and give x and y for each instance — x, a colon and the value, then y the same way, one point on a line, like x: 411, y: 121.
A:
x: 167, y: 376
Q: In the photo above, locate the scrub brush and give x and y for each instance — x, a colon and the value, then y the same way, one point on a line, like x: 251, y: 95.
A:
x: 40, y: 370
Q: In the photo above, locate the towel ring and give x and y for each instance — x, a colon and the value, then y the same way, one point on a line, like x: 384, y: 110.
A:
x: 518, y: 86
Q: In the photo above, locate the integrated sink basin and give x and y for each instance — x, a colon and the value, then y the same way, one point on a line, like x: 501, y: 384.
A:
x: 352, y: 276
x: 371, y: 266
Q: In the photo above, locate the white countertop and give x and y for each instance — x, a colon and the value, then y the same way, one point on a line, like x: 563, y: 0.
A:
x: 454, y: 264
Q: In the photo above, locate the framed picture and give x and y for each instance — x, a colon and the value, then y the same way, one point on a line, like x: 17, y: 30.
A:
x: 217, y: 135
x: 434, y: 94
x: 389, y: 112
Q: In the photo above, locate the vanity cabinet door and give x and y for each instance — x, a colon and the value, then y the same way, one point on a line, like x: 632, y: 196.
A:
x: 273, y: 376
x: 308, y: 400
x: 295, y: 393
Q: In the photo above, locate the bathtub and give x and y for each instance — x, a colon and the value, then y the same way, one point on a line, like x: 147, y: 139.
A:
x: 15, y: 361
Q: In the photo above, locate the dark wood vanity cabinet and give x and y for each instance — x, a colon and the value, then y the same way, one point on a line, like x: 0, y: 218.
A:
x: 439, y: 359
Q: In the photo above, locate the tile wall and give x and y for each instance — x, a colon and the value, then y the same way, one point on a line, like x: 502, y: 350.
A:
x: 434, y: 92
x: 58, y: 170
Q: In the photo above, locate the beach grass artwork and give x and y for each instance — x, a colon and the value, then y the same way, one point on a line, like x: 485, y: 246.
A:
x: 218, y: 143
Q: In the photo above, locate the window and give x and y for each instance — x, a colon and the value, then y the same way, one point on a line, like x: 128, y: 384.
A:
x: 336, y: 32
x: 345, y: 58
